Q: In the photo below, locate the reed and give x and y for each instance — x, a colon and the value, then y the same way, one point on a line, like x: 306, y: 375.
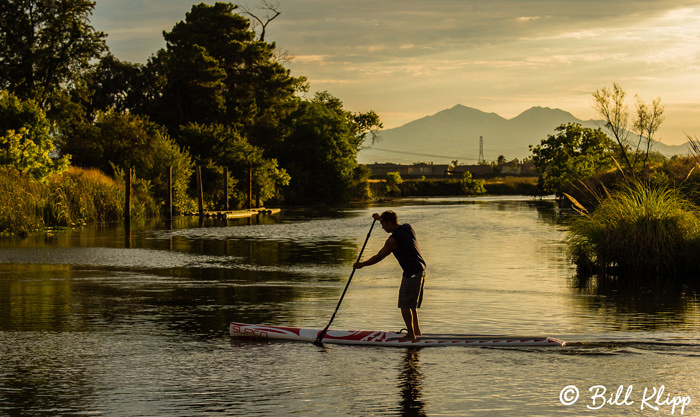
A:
x: 638, y: 230
x: 74, y: 198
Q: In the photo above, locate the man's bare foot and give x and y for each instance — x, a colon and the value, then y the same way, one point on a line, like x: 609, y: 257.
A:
x: 408, y: 338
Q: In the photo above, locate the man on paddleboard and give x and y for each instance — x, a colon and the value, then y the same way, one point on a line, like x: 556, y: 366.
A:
x: 403, y: 244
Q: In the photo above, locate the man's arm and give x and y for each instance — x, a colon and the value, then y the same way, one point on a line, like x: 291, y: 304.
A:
x: 385, y: 251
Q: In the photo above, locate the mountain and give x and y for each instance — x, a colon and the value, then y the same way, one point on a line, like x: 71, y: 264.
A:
x: 453, y: 134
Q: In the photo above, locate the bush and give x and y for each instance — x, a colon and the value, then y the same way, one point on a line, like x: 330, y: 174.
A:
x: 640, y: 229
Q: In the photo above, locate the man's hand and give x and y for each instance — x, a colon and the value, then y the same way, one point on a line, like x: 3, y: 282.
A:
x: 375, y: 216
x: 357, y: 265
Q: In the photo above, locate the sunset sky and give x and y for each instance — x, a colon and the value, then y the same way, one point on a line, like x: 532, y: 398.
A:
x: 409, y: 59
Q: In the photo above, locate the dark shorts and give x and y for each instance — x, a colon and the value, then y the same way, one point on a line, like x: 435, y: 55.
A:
x: 411, y: 291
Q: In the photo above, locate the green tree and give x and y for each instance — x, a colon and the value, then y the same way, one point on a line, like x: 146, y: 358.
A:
x: 470, y: 186
x: 45, y: 45
x: 116, y: 85
x: 393, y: 180
x: 574, y: 152
x: 320, y: 152
x: 120, y: 140
x: 214, y: 71
x: 217, y: 146
x: 25, y: 142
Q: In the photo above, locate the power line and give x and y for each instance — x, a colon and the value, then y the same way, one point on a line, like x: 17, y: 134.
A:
x: 424, y: 154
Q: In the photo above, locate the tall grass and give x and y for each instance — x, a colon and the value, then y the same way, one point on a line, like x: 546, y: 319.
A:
x: 638, y: 230
x: 73, y: 198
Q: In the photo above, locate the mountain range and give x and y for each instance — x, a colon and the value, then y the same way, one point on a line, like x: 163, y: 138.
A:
x: 454, y: 134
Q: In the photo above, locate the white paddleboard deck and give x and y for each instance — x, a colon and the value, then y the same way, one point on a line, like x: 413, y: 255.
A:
x: 382, y: 338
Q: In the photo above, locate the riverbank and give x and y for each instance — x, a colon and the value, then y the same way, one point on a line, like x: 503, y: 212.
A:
x: 506, y: 185
x: 72, y: 199
x: 80, y: 196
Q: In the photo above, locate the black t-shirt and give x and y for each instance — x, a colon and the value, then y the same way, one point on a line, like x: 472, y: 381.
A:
x: 407, y: 252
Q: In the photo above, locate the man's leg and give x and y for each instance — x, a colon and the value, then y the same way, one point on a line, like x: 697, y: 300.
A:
x: 416, y: 325
x: 409, y: 319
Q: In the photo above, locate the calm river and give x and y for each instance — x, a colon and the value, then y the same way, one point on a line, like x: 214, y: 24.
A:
x: 93, y: 322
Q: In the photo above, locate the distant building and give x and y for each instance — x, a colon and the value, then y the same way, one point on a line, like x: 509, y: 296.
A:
x: 408, y: 171
x: 442, y: 171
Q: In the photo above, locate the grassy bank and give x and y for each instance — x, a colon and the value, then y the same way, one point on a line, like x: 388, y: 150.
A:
x: 639, y: 230
x: 73, y: 198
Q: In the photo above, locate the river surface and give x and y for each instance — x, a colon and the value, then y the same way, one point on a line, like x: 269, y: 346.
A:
x: 100, y: 322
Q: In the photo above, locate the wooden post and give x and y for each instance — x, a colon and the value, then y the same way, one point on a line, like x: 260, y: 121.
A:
x: 250, y: 185
x: 200, y: 192
x: 169, y: 208
x: 127, y: 195
x: 127, y: 208
x: 225, y: 188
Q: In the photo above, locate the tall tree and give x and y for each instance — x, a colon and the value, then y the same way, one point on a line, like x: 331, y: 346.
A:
x: 320, y: 153
x: 44, y: 45
x: 216, y: 72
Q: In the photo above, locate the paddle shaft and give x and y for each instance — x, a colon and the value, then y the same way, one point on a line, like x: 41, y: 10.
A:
x: 319, y: 338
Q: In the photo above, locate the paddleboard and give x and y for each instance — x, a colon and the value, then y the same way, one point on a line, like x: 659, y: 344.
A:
x: 383, y: 338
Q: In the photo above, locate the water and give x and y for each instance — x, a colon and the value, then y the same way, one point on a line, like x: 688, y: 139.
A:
x: 95, y: 322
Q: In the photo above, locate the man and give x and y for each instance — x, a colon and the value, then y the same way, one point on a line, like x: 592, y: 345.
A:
x: 403, y: 244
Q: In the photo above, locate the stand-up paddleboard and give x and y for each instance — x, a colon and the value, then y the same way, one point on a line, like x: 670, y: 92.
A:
x: 381, y: 338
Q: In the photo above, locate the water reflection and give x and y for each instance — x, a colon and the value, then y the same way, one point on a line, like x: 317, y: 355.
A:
x: 630, y: 304
x: 410, y: 381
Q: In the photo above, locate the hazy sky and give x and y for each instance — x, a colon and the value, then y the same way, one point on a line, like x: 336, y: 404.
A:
x: 409, y: 59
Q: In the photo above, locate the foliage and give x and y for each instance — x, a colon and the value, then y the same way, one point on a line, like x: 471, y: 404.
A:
x: 320, y: 152
x: 217, y: 146
x: 25, y: 142
x: 214, y: 71
x: 393, y: 181
x: 511, y: 186
x: 640, y: 230
x: 470, y: 186
x: 45, y: 45
x: 127, y: 141
x: 363, y: 190
x: 575, y: 152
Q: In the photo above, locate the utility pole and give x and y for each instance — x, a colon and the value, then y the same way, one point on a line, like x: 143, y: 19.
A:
x: 481, y: 150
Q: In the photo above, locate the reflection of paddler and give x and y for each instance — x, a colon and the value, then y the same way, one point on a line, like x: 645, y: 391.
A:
x: 410, y: 381
x: 404, y: 245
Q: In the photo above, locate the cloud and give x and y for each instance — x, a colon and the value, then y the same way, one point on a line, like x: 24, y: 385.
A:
x: 415, y: 55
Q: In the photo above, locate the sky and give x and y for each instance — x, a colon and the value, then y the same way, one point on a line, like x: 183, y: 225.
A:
x: 409, y: 59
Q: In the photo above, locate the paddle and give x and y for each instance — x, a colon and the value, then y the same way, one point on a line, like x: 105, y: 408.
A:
x: 319, y: 338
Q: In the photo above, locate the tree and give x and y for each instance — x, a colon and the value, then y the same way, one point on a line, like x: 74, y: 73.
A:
x: 45, y: 45
x: 214, y: 71
x: 320, y: 152
x: 610, y: 104
x: 393, y: 180
x: 271, y: 13
x: 116, y: 141
x: 218, y: 146
x: 25, y: 142
x: 574, y: 152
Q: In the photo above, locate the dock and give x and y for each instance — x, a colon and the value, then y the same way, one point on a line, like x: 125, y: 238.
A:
x: 234, y: 214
